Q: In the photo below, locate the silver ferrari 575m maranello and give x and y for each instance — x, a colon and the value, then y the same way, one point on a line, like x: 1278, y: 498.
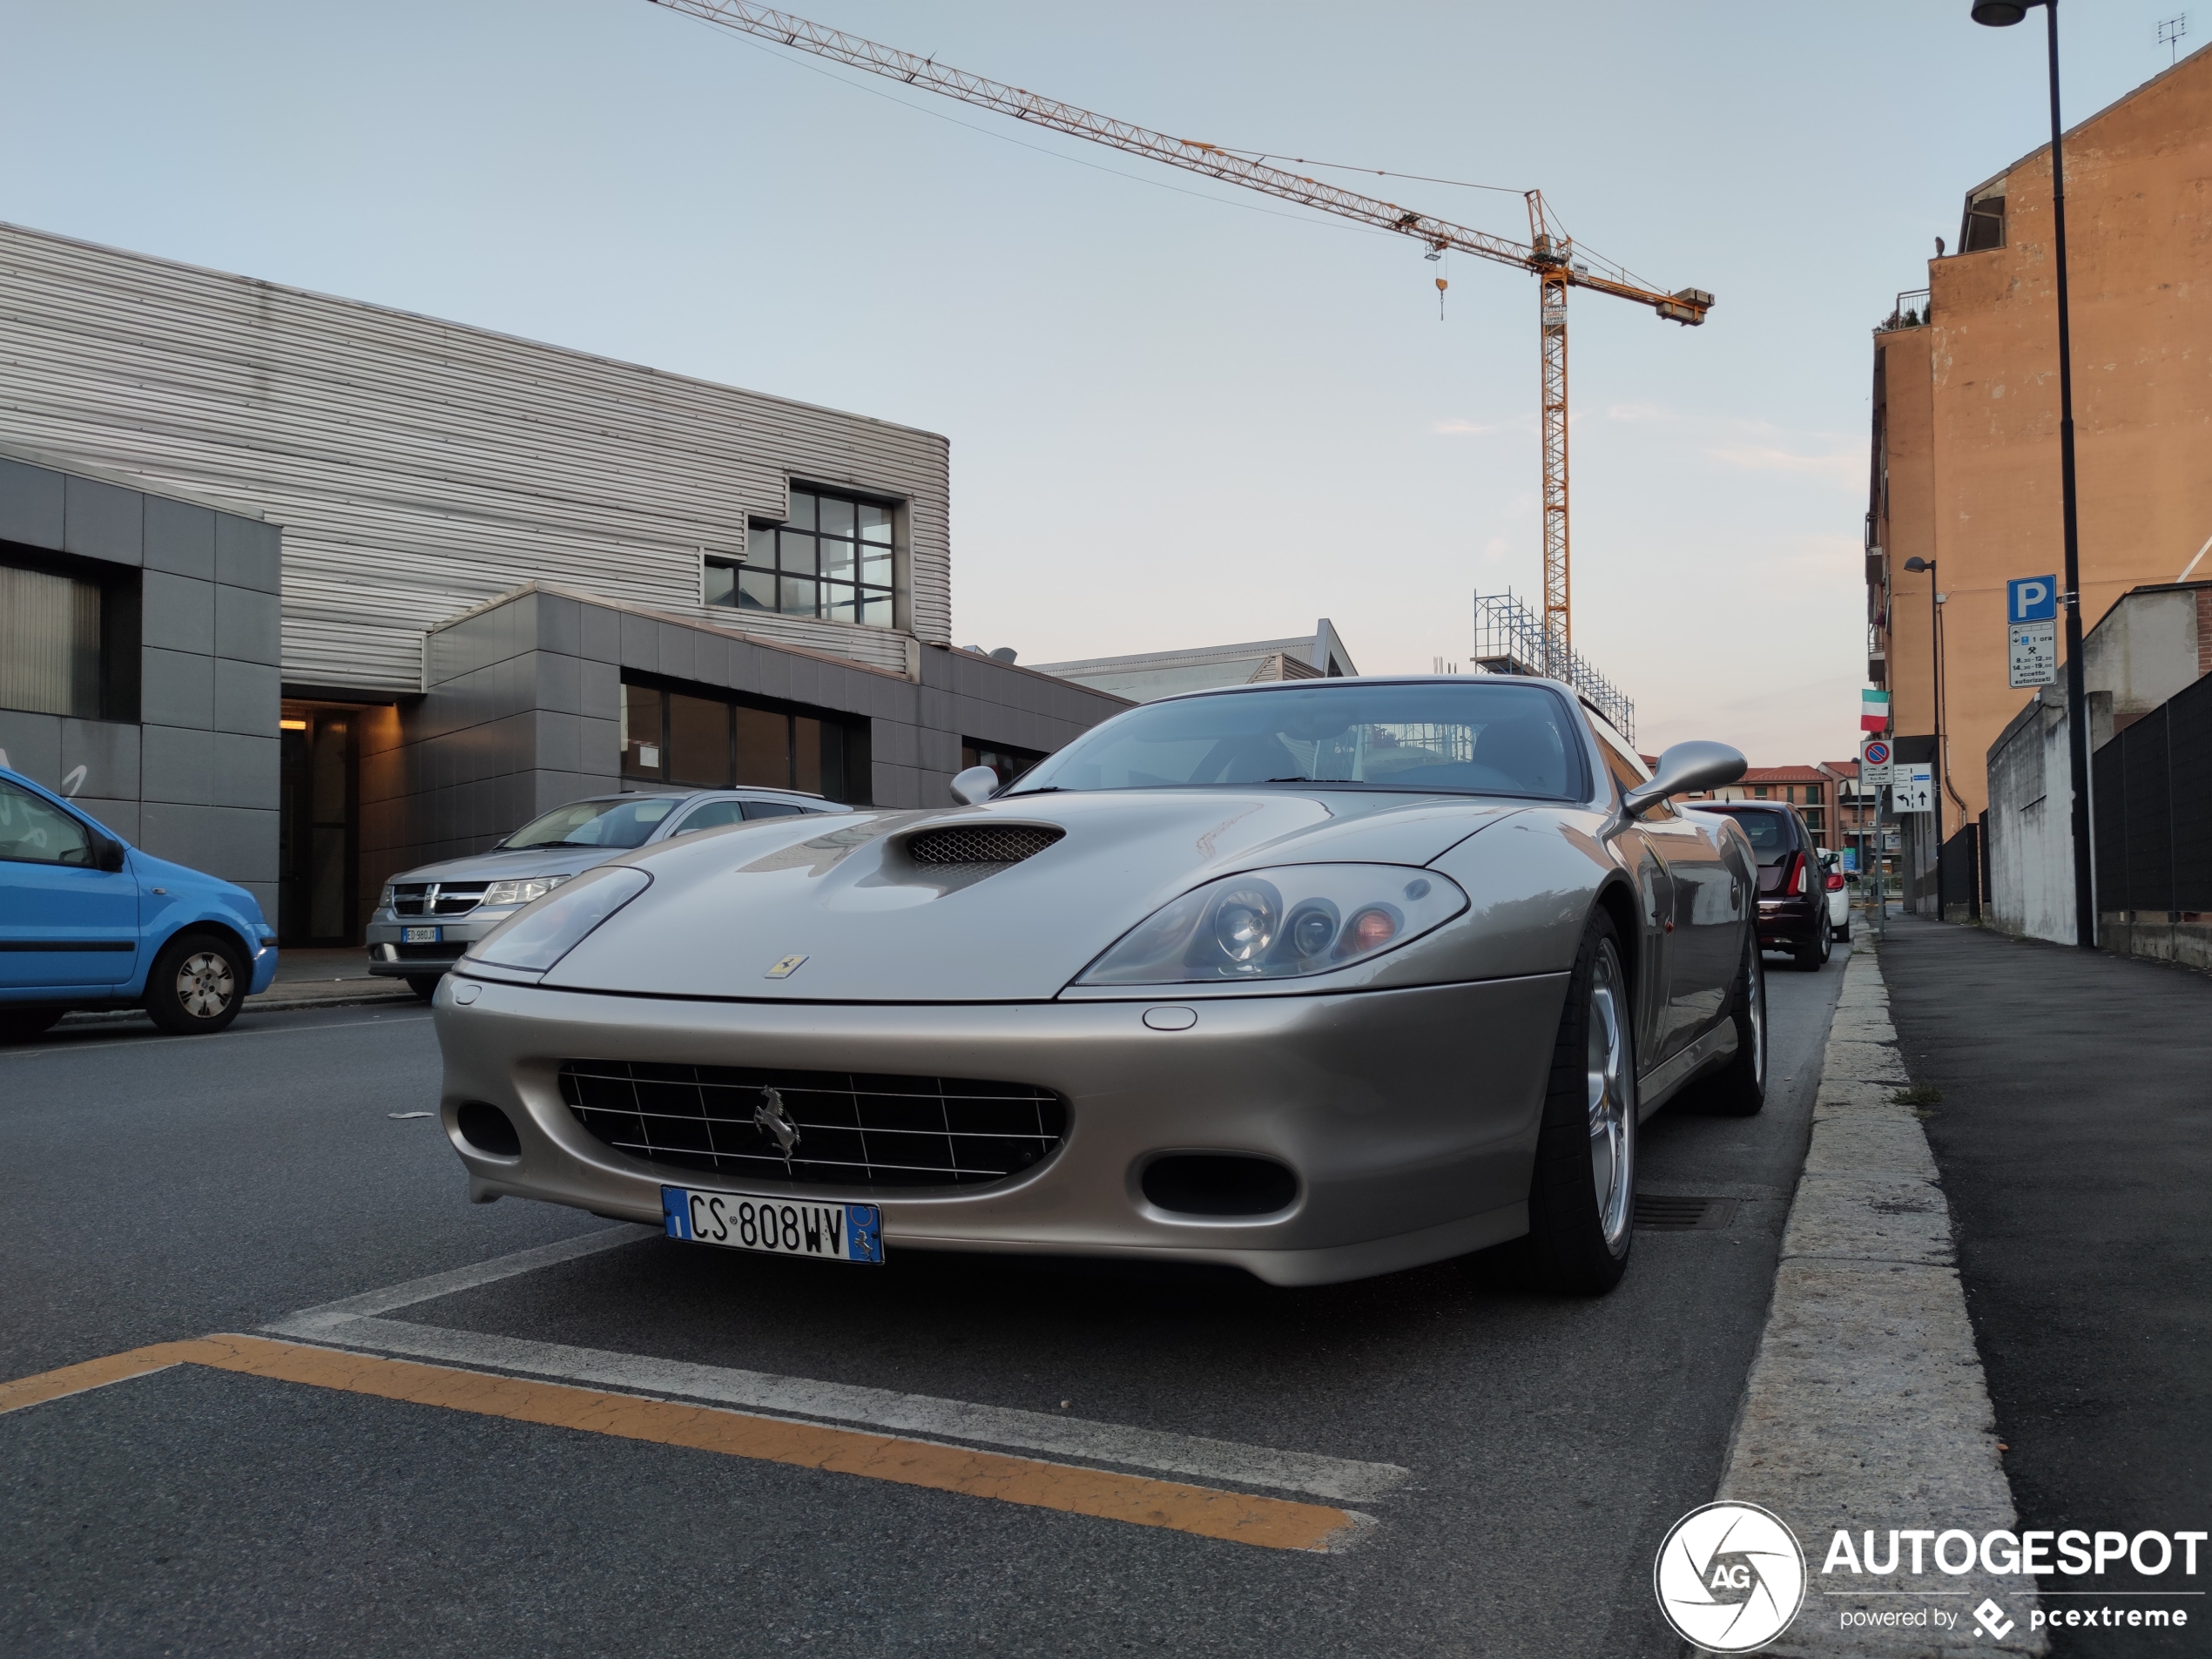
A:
x: 1318, y: 980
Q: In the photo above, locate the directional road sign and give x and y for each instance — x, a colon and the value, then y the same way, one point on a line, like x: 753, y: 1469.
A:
x: 1913, y: 789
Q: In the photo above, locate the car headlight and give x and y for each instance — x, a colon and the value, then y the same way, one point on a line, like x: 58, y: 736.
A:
x: 535, y: 939
x: 521, y: 892
x: 1275, y: 924
x: 384, y: 899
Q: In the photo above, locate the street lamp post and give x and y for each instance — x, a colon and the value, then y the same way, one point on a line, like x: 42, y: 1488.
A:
x: 1935, y: 704
x: 2000, y: 14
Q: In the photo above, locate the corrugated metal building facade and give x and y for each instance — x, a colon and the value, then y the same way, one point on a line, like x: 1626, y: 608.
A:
x: 421, y: 471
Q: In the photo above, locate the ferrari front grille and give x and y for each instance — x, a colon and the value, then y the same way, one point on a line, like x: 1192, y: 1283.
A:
x: 981, y: 844
x: 833, y: 1128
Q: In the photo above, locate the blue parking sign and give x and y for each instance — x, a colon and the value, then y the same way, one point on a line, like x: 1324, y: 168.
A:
x: 2032, y: 598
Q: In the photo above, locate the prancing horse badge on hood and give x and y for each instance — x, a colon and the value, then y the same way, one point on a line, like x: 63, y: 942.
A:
x: 785, y: 967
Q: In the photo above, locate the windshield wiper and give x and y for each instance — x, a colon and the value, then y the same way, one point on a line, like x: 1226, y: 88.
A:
x: 1042, y: 789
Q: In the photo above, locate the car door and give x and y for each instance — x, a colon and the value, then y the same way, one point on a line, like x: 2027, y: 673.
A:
x: 1712, y: 901
x: 63, y: 921
x: 1656, y: 899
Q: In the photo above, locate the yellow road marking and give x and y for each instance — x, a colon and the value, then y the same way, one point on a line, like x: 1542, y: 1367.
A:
x: 1269, y: 1523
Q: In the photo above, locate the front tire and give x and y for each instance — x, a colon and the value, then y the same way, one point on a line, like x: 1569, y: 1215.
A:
x: 197, y: 986
x: 1739, y: 1089
x: 1581, y: 1196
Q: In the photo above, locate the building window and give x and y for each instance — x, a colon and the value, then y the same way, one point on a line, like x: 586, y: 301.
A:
x: 831, y: 559
x: 69, y: 638
x: 1812, y: 793
x: 1813, y: 819
x: 684, y: 741
x: 1985, y: 225
x: 1759, y: 791
x: 1009, y: 764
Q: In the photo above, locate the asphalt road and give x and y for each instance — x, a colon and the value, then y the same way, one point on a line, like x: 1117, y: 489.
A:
x: 161, y: 1189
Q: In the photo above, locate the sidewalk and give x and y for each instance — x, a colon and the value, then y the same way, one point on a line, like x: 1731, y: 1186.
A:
x: 2074, y: 1140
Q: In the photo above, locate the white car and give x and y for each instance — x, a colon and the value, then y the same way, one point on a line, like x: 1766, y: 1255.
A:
x: 1831, y: 874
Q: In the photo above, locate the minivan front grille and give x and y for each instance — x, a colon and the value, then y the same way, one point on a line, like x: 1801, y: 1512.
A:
x: 436, y: 898
x: 844, y: 1128
x: 981, y: 844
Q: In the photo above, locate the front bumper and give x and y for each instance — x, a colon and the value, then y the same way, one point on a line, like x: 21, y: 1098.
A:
x: 1410, y: 1116
x: 390, y: 955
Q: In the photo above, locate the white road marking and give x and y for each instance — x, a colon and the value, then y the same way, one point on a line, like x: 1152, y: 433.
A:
x: 910, y: 1415
x: 310, y: 1321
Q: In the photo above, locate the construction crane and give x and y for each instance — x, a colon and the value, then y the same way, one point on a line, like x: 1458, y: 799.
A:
x: 1548, y: 254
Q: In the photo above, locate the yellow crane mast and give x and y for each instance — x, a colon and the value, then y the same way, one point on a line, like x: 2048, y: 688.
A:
x: 1547, y: 254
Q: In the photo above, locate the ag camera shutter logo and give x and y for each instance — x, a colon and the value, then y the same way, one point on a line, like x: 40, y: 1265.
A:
x: 1729, y: 1577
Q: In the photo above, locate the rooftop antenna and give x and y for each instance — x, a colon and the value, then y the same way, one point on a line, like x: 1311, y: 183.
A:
x: 2170, y: 31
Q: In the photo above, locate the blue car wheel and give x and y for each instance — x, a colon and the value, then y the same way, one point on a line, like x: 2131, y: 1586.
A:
x: 197, y: 986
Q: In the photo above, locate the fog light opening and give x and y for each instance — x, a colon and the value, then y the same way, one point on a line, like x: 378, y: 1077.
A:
x: 1219, y: 1184
x: 489, y: 1130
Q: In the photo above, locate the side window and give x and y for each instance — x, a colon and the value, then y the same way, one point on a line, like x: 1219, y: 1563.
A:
x: 32, y: 831
x: 1627, y: 775
x: 713, y: 815
x: 772, y: 809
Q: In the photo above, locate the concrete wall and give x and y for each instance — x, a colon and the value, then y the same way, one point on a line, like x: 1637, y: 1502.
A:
x: 2139, y: 223
x: 523, y: 713
x: 2152, y: 642
x: 196, y: 779
x: 2031, y: 838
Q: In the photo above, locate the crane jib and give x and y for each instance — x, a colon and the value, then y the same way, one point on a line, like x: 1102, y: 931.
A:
x: 1549, y: 257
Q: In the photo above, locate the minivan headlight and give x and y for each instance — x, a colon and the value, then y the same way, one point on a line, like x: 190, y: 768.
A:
x: 1280, y: 923
x: 523, y: 891
x: 534, y: 939
x: 384, y: 899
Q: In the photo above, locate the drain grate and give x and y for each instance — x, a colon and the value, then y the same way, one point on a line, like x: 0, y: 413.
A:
x: 1659, y: 1214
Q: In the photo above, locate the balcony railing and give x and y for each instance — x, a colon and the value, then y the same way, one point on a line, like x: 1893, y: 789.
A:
x: 1912, y: 310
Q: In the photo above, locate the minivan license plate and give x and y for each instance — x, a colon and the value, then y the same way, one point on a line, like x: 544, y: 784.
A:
x: 419, y: 935
x: 832, y: 1233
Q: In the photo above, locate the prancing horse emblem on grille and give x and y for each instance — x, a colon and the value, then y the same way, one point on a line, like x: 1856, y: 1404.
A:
x: 771, y: 1116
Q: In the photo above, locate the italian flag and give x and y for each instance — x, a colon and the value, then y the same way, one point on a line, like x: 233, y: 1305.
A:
x: 1874, y: 711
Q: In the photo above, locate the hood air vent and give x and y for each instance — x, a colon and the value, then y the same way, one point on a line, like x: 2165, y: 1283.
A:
x: 980, y: 844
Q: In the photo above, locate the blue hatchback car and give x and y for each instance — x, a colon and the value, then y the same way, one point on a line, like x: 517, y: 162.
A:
x: 87, y: 921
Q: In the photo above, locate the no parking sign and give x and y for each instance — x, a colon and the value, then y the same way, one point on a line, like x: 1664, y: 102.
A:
x: 1874, y: 763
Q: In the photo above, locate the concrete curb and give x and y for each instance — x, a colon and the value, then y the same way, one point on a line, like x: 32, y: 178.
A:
x: 1866, y: 1408
x: 270, y: 1001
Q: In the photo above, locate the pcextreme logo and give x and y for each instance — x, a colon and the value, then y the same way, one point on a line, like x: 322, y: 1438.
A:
x: 1729, y: 1577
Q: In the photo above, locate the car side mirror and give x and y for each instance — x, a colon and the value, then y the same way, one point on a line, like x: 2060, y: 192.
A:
x: 109, y: 854
x: 976, y: 786
x: 1684, y: 767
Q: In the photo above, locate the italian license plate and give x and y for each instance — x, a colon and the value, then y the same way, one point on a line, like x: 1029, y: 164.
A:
x: 832, y: 1232
x: 421, y: 935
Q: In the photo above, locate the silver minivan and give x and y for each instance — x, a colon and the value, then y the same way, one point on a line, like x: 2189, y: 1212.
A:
x: 426, y: 918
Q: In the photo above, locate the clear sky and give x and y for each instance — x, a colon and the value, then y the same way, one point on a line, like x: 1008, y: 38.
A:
x: 1179, y: 414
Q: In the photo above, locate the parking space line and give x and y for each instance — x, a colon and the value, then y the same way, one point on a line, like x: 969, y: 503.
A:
x: 882, y: 1408
x: 1267, y: 1523
x: 308, y: 1321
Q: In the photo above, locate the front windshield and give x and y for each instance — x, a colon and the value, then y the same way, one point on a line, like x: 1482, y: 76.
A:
x: 629, y: 822
x: 1480, y: 736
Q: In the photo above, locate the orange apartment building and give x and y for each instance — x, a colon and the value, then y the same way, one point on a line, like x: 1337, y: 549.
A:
x: 1965, y: 415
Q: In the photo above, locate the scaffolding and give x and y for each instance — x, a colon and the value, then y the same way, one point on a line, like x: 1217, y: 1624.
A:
x: 1509, y: 639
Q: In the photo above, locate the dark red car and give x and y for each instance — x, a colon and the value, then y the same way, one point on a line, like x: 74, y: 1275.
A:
x: 1793, y: 896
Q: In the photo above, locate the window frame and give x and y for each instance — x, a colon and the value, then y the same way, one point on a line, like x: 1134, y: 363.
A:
x: 853, y: 753
x: 769, y: 534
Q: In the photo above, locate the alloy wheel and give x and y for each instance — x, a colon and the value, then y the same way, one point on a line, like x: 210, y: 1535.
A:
x: 206, y: 984
x: 1611, y: 1103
